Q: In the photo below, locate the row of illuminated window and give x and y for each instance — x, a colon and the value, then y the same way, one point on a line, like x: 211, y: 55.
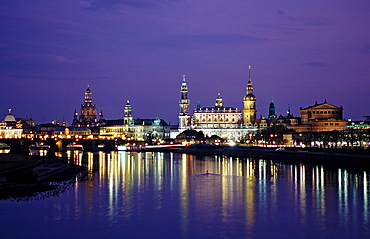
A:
x: 330, y: 123
x: 325, y: 112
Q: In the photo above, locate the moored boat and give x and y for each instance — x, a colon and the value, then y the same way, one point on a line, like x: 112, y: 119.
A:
x: 74, y: 146
x: 4, y: 148
x: 39, y: 148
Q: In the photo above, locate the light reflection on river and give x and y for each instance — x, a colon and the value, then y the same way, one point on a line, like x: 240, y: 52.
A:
x: 165, y: 195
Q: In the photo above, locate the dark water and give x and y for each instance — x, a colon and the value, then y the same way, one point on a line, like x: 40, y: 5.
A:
x: 163, y: 195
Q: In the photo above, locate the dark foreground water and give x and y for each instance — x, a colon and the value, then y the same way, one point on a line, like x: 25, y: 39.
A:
x: 163, y: 195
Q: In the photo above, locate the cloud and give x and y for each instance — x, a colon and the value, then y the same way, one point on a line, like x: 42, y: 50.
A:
x: 26, y: 61
x: 203, y: 40
x: 62, y: 78
x: 366, y: 49
x: 49, y: 57
x: 316, y: 64
x: 110, y: 5
x: 310, y: 20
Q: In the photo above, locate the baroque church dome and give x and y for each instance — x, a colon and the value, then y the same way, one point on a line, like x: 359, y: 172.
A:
x: 9, y: 117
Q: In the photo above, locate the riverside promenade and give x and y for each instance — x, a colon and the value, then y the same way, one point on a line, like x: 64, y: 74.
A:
x: 351, y: 158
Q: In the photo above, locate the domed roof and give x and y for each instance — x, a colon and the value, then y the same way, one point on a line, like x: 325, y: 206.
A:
x: 9, y: 117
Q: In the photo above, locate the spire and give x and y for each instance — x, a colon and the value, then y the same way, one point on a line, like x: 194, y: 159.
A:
x: 184, y: 101
x: 249, y: 87
x: 184, y: 118
x: 249, y: 111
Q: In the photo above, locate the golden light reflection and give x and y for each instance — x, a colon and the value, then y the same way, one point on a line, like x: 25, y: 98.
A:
x: 252, y: 183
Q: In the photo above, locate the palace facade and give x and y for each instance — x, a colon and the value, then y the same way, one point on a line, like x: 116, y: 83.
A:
x: 224, y: 121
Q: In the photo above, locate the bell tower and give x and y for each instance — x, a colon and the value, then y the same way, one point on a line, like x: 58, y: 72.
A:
x: 249, y: 111
x: 184, y: 118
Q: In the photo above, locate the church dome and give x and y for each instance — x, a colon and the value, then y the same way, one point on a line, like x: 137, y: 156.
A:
x: 9, y: 117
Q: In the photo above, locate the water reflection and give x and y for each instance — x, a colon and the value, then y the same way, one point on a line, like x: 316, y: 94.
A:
x: 246, y: 189
x: 166, y: 195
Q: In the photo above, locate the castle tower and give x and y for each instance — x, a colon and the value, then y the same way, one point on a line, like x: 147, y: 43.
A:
x: 272, y: 114
x: 184, y: 118
x: 127, y: 113
x: 219, y: 103
x: 249, y: 111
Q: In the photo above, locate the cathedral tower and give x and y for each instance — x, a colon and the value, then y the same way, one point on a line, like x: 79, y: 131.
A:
x: 249, y: 111
x: 127, y: 113
x: 184, y: 118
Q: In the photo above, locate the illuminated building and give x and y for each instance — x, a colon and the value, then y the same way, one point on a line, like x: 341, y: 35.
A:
x: 10, y: 127
x: 321, y: 117
x: 73, y: 132
x: 135, y: 129
x: 88, y: 113
x: 223, y: 121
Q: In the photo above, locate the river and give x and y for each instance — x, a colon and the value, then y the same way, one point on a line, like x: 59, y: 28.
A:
x: 169, y: 195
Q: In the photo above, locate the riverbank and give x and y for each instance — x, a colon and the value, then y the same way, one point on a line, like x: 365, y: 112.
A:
x: 23, y: 175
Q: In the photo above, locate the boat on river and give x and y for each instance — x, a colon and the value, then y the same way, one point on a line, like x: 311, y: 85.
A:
x: 74, y: 146
x: 39, y: 148
x: 4, y: 148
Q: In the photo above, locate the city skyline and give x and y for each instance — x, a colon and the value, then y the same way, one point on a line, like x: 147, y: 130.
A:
x: 300, y: 53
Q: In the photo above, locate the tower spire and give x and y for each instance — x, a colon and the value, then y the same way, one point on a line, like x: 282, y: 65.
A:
x: 184, y: 118
x: 249, y: 111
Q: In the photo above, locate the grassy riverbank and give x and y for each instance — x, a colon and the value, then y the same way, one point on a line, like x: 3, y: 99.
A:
x: 23, y: 176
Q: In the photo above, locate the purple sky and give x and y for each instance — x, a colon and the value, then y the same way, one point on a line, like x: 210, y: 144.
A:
x: 300, y: 52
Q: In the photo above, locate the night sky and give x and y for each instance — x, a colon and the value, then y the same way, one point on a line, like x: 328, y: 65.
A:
x: 300, y: 52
